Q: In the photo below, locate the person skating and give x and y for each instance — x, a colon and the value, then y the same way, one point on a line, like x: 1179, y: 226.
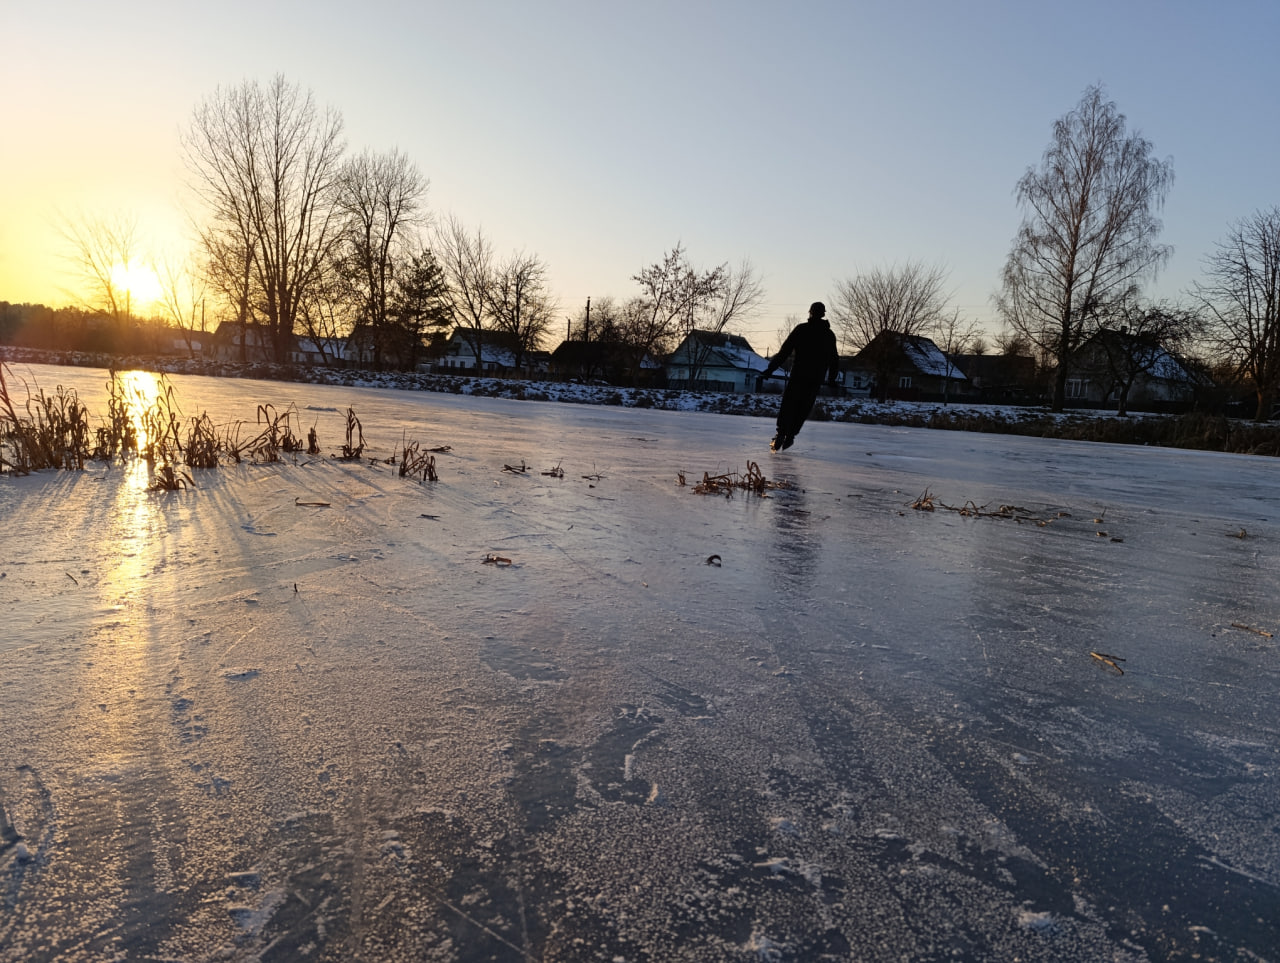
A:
x: 814, y: 345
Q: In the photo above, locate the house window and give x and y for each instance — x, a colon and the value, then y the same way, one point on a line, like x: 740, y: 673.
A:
x: 1076, y: 387
x: 904, y: 381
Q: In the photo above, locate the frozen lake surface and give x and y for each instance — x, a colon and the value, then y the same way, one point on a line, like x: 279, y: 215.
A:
x: 293, y: 713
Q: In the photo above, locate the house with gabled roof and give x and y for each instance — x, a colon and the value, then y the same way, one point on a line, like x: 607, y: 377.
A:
x: 907, y: 367
x: 1116, y: 367
x: 497, y: 353
x: 1001, y: 378
x: 715, y: 361
x: 318, y: 350
x: 241, y: 341
x: 611, y: 361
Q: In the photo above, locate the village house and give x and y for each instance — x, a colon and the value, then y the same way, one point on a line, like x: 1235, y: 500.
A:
x: 319, y: 351
x: 1001, y: 378
x: 590, y: 362
x: 498, y: 353
x: 1117, y: 368
x: 245, y: 342
x: 905, y: 367
x: 715, y: 361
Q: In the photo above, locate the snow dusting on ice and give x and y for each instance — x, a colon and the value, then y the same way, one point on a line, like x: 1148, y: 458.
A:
x: 296, y: 712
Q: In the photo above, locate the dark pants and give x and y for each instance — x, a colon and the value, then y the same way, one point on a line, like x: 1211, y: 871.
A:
x: 797, y: 401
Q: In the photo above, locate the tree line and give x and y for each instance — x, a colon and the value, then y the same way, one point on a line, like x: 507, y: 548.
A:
x: 298, y: 237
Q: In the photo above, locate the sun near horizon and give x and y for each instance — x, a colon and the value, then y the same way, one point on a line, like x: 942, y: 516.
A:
x: 139, y: 281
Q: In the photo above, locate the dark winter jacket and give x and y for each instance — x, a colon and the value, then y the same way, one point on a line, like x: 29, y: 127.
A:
x: 814, y: 344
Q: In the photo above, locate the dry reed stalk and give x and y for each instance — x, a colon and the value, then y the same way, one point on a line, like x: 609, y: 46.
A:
x: 1250, y: 628
x: 160, y: 423
x: 355, y: 437
x: 1109, y: 660
x: 415, y: 462
x: 119, y: 435
x: 202, y: 443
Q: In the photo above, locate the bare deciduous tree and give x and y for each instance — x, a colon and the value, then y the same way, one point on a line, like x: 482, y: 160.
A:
x: 1088, y: 238
x: 734, y: 296
x: 265, y: 162
x: 902, y: 300
x: 598, y: 320
x: 907, y: 301
x: 182, y: 298
x: 326, y: 315
x: 521, y: 303
x: 669, y: 289
x: 674, y: 298
x: 467, y: 262
x: 229, y: 272
x: 955, y: 334
x: 1242, y: 297
x: 1014, y: 344
x: 380, y: 198
x: 599, y: 324
x: 102, y: 251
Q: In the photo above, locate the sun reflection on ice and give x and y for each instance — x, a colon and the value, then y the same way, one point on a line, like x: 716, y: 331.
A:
x: 131, y: 536
x: 140, y: 394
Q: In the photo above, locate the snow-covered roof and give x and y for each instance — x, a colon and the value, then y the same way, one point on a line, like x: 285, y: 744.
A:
x: 928, y: 357
x: 1156, y: 362
x: 739, y: 356
x: 722, y: 351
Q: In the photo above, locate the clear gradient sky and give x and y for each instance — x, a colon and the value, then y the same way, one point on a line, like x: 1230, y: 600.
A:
x: 814, y: 138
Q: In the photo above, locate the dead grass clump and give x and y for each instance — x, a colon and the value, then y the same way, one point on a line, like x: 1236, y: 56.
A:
x: 929, y: 502
x: 752, y: 481
x: 161, y: 431
x: 354, y: 446
x: 202, y: 446
x: 925, y: 502
x: 417, y: 462
x: 119, y: 434
x: 169, y: 479
x: 52, y: 432
x: 277, y: 435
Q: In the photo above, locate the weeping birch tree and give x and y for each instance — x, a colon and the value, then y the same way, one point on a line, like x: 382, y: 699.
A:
x: 1088, y: 238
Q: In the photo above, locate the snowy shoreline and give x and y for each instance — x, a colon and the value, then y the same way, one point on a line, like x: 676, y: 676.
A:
x: 1199, y: 432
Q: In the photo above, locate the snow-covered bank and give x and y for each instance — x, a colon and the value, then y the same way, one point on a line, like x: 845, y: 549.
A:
x: 296, y: 712
x: 1199, y: 432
